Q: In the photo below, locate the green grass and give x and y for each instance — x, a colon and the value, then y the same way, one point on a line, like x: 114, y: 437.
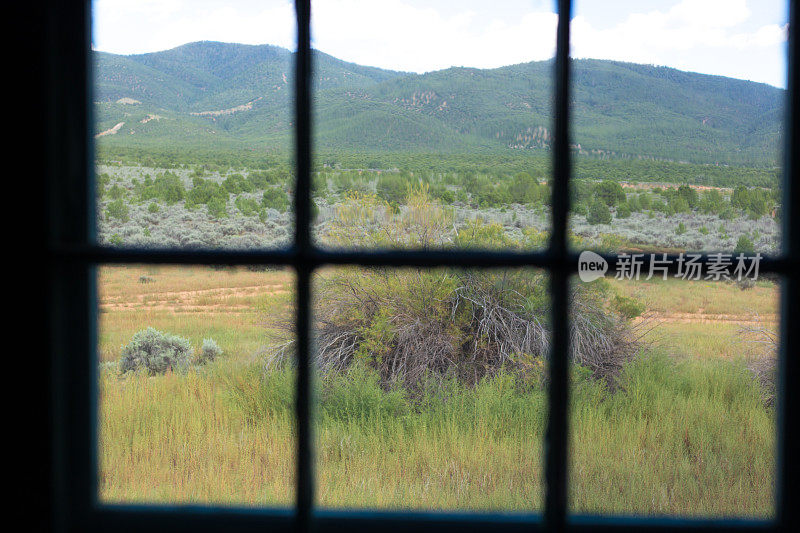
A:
x: 682, y: 437
x: 177, y: 439
x: 684, y: 433
x: 701, y: 340
x: 686, y: 437
x: 702, y: 297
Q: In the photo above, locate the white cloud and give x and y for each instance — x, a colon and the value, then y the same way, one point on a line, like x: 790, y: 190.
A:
x: 765, y: 36
x: 135, y: 26
x: 711, y: 36
x: 396, y: 34
x: 700, y: 35
x: 709, y: 13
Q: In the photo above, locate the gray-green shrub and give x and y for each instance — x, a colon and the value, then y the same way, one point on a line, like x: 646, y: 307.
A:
x: 156, y: 352
x: 209, y: 352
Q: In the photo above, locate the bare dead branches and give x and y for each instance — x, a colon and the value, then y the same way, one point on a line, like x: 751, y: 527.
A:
x: 407, y: 324
x: 762, y: 341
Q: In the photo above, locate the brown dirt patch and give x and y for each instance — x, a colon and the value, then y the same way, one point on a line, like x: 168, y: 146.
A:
x: 708, y: 318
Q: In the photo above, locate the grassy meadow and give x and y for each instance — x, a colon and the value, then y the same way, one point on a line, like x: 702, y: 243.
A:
x: 686, y: 432
x: 431, y: 386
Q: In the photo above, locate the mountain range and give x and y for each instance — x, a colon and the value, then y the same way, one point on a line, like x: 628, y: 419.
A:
x: 233, y: 96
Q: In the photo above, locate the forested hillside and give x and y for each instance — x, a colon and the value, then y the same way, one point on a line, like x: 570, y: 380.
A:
x: 220, y: 95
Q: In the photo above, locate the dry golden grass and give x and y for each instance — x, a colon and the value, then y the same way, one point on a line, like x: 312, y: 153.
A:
x: 701, y: 297
x: 686, y: 439
x: 173, y: 439
x: 234, y: 307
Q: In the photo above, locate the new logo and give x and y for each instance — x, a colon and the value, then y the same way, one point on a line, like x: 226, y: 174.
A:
x: 591, y: 266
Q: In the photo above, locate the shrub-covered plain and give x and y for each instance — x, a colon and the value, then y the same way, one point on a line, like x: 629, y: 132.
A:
x: 680, y: 432
x: 212, y: 206
x: 432, y: 385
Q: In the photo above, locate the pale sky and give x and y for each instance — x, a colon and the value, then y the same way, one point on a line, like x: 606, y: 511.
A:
x: 738, y: 38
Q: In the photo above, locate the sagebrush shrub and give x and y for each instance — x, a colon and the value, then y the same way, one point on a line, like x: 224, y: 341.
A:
x: 411, y: 324
x: 156, y: 352
x: 209, y: 352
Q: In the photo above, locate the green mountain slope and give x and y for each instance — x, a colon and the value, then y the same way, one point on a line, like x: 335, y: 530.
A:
x: 221, y: 95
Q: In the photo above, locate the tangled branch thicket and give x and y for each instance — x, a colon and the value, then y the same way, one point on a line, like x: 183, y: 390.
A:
x: 763, y: 361
x: 408, y: 324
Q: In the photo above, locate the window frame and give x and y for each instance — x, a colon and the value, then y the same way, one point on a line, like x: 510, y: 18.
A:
x: 72, y: 256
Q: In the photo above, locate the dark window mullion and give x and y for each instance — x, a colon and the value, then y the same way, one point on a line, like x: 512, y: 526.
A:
x: 302, y: 197
x: 768, y: 264
x: 787, y: 463
x: 556, y: 437
x: 304, y: 267
x: 70, y: 205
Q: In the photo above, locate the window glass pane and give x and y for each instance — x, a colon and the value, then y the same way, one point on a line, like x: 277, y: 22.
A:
x: 187, y: 412
x: 673, y: 399
x: 431, y: 388
x: 194, y: 123
x: 433, y: 102
x: 677, y: 124
x: 677, y: 129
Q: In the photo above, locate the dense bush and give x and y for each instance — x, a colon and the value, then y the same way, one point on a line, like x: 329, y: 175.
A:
x: 101, y: 181
x: 204, y: 191
x: 628, y: 307
x: 677, y: 204
x: 167, y: 187
x: 486, y: 191
x: 580, y: 209
x: 115, y: 192
x: 744, y: 245
x: 262, y: 179
x: 392, y: 188
x: 711, y: 202
x: 525, y: 189
x: 407, y: 324
x: 209, y: 352
x: 247, y: 206
x: 644, y: 200
x: 689, y: 195
x: 118, y: 209
x: 609, y: 192
x: 156, y: 352
x: 754, y: 202
x: 217, y: 207
x: 599, y: 213
x: 275, y: 198
x: 248, y: 224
